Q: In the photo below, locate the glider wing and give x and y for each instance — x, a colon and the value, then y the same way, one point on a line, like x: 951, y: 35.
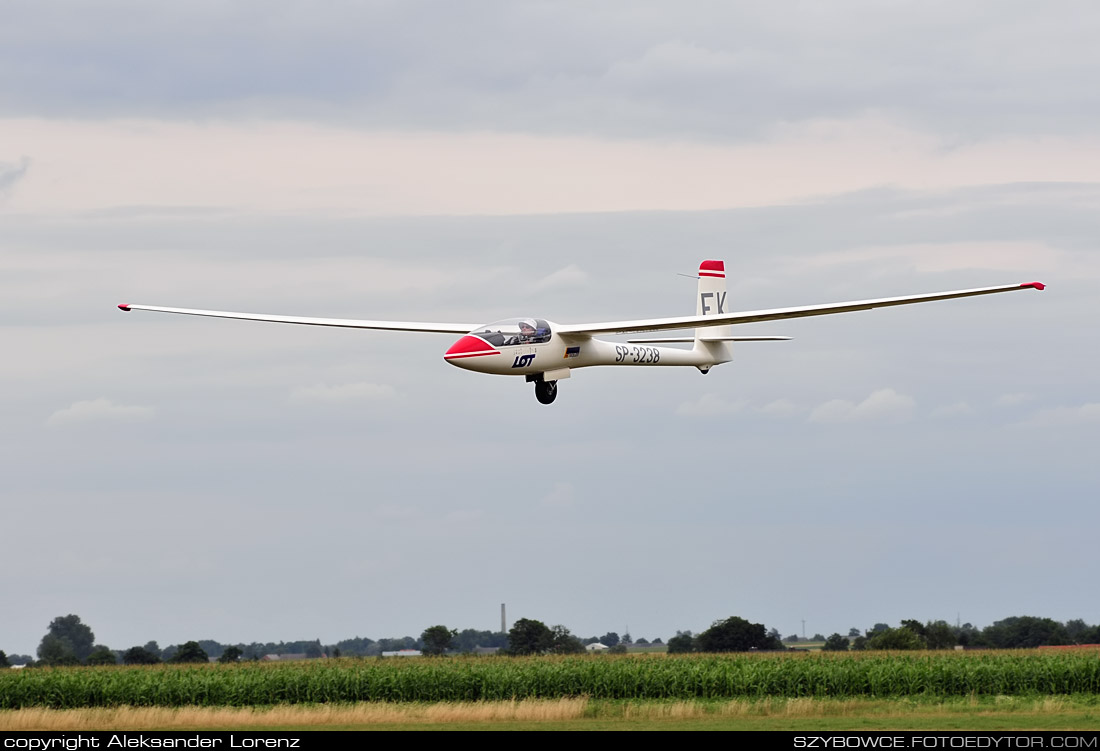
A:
x: 777, y: 314
x: 435, y: 328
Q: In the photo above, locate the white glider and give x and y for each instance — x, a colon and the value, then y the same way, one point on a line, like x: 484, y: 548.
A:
x: 545, y: 352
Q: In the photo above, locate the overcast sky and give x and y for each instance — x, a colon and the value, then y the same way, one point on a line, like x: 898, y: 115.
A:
x: 180, y: 478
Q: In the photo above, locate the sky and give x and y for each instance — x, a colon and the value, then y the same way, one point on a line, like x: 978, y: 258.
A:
x: 174, y: 478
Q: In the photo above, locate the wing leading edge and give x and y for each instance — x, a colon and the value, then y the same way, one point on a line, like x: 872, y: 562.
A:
x: 611, y: 327
x: 435, y: 328
x: 776, y: 314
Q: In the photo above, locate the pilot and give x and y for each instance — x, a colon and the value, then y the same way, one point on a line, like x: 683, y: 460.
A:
x: 526, y: 332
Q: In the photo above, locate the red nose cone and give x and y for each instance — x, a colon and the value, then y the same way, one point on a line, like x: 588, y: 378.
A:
x: 469, y: 346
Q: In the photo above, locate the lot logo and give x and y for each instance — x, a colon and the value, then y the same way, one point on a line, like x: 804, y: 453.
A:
x: 523, y: 361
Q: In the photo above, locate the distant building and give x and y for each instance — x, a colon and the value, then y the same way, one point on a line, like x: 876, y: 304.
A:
x: 403, y: 653
x: 596, y: 647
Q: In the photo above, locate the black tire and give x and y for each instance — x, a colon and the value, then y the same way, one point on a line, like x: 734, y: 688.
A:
x: 546, y: 391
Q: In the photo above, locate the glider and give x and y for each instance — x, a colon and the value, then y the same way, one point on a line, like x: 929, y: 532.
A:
x: 544, y: 352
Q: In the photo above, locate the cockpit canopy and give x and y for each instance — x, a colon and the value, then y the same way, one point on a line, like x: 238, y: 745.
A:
x: 514, y: 332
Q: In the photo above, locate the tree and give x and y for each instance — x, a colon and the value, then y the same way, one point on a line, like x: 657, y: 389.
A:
x: 4, y: 660
x: 966, y: 634
x: 916, y: 627
x: 69, y: 637
x: 610, y: 639
x: 939, y: 635
x: 735, y: 635
x: 853, y: 632
x: 190, y: 652
x: 101, y: 655
x: 357, y: 647
x: 1077, y: 630
x: 529, y: 637
x: 818, y: 637
x: 153, y: 648
x: 1019, y: 632
x: 55, y: 650
x: 895, y: 638
x: 835, y: 643
x: 682, y: 643
x: 139, y: 656
x: 437, y: 639
x: 395, y: 644
x: 231, y: 654
x: 564, y: 643
x: 470, y: 639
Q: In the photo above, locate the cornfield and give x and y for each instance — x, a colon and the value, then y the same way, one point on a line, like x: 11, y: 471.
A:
x: 599, y: 677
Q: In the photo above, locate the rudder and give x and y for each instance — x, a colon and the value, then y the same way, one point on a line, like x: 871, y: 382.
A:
x: 711, y: 300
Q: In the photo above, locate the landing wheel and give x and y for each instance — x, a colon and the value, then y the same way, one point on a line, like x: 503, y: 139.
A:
x: 546, y: 391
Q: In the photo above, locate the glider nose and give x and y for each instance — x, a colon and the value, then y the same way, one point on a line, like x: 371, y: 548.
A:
x: 468, y: 348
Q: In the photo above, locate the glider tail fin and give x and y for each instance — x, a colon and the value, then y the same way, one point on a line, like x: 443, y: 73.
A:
x: 711, y: 300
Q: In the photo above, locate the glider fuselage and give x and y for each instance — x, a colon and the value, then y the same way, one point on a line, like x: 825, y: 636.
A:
x: 493, y: 349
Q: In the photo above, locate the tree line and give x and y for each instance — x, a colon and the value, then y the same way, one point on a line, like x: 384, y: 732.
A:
x: 68, y: 641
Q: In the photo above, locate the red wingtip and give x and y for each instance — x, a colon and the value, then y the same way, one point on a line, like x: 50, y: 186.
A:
x: 124, y: 307
x: 1037, y: 285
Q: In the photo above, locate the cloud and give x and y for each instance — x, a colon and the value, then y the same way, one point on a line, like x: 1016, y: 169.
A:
x: 1066, y: 416
x: 401, y: 513
x: 779, y: 408
x: 344, y: 393
x: 465, y: 516
x: 1011, y: 400
x: 96, y: 410
x: 356, y: 172
x: 632, y: 69
x: 709, y: 405
x: 570, y: 276
x: 958, y: 409
x: 953, y: 256
x: 562, y: 495
x: 884, y: 404
x: 10, y: 174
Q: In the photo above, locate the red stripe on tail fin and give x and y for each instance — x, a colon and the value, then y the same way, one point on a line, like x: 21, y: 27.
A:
x: 713, y: 268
